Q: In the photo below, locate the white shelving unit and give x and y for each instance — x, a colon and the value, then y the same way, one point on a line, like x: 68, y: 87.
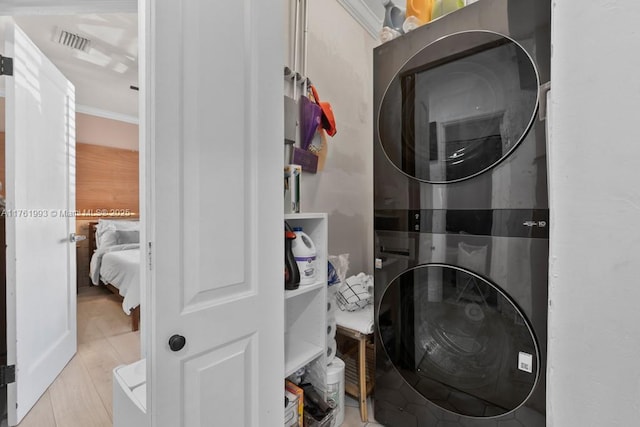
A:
x: 306, y: 307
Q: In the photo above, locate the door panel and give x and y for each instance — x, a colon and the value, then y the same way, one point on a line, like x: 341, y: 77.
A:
x: 41, y: 271
x: 214, y: 196
x: 215, y: 139
x: 229, y: 365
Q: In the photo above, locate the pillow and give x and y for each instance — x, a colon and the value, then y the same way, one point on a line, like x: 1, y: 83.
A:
x: 108, y: 238
x: 105, y: 231
x: 127, y: 236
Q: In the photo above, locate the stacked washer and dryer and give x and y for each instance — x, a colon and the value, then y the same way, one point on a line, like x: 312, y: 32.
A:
x: 461, y: 219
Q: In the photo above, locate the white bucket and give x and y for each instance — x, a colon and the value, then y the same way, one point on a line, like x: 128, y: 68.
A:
x: 335, y: 389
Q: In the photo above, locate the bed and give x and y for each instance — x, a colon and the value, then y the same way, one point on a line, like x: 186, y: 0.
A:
x: 115, y: 262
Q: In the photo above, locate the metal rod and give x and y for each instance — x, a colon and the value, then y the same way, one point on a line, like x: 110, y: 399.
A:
x: 304, y: 60
x: 295, y: 50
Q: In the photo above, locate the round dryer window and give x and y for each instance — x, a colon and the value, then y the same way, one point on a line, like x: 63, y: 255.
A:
x: 458, y: 107
x: 458, y: 341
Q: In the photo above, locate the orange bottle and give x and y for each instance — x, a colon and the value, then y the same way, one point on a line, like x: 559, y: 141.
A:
x: 420, y: 10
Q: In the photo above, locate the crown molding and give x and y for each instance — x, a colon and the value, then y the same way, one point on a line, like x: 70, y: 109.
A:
x: 364, y: 16
x: 66, y: 7
x: 92, y: 111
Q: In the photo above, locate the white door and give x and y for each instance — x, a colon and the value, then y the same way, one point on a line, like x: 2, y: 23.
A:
x: 40, y: 192
x: 214, y: 222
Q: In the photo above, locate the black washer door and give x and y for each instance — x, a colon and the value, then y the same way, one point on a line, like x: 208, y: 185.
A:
x: 458, y: 340
x: 458, y: 107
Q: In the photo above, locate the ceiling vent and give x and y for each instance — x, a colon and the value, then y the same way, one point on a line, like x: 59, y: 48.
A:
x: 72, y: 40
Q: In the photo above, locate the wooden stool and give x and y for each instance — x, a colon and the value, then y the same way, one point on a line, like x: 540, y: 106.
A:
x: 359, y: 361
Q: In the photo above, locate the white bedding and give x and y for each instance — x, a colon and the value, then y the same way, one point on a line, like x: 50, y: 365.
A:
x: 119, y: 266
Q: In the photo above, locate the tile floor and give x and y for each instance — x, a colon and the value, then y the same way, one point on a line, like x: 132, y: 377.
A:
x: 352, y: 414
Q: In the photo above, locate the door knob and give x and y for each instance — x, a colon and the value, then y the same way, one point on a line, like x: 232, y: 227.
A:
x: 74, y: 238
x: 177, y: 342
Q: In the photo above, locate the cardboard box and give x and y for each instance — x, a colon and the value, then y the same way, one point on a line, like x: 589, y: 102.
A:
x: 294, y: 389
x: 291, y: 410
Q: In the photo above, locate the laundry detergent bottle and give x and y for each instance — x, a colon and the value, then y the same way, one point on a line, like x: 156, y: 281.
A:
x: 418, y: 13
x: 393, y: 16
x: 393, y: 20
x: 291, y: 272
x: 304, y: 252
x: 442, y: 7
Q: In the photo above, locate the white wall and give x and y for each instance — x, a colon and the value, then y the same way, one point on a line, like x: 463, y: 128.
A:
x: 340, y: 64
x: 594, y: 155
x: 106, y: 132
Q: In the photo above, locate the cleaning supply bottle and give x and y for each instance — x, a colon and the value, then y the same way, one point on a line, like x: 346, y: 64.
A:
x: 392, y: 24
x: 442, y: 7
x: 291, y: 272
x: 418, y: 13
x: 304, y: 252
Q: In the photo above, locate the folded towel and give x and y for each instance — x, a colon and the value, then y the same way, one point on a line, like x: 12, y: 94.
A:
x: 355, y: 293
x: 360, y: 320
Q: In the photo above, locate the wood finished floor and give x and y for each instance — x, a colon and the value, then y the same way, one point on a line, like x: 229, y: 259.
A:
x: 81, y: 396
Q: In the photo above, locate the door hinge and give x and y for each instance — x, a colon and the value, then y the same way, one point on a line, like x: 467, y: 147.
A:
x: 7, y: 375
x: 6, y: 66
x: 149, y: 255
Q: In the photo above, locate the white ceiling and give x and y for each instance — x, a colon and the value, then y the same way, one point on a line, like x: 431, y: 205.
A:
x: 104, y: 73
x: 66, y: 7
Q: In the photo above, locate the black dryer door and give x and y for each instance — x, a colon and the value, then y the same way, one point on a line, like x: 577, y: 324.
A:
x: 458, y: 107
x: 458, y: 340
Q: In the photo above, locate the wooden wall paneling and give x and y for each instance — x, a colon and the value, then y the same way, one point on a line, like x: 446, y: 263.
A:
x: 106, y: 178
x: 2, y: 166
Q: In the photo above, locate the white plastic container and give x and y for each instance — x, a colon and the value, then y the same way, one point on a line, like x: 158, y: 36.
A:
x: 129, y: 395
x: 304, y: 251
x: 335, y: 389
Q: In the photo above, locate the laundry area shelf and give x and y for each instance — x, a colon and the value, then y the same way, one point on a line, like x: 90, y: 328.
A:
x: 298, y: 354
x: 305, y: 308
x: 305, y: 216
x: 304, y: 289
